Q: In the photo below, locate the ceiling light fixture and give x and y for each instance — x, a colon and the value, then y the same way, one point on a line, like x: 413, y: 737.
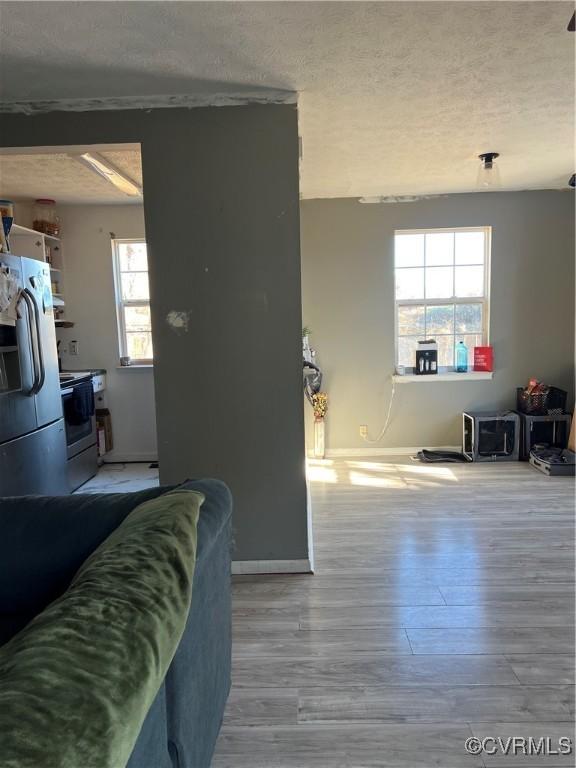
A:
x: 488, y: 173
x: 395, y: 198
x: 110, y: 172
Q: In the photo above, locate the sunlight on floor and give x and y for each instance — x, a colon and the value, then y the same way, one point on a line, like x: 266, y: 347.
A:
x: 379, y: 474
x: 405, y: 475
x: 359, y: 478
x: 320, y: 471
x: 437, y: 473
x: 372, y: 466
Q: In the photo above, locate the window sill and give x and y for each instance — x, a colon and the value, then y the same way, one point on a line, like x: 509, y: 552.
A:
x: 410, y: 378
x: 137, y: 366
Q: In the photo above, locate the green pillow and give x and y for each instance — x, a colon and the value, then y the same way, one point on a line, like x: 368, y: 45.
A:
x: 77, y: 682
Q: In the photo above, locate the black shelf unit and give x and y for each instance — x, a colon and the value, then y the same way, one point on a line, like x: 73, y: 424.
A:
x: 552, y: 430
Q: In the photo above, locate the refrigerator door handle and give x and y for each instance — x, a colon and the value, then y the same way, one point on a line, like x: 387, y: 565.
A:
x: 41, y: 368
x: 33, y: 331
x: 33, y: 341
x: 24, y: 300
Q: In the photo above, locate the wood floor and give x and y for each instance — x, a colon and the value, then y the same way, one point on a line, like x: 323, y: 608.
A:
x: 442, y: 607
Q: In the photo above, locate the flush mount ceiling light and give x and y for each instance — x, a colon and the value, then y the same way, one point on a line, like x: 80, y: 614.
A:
x: 110, y: 172
x: 488, y: 173
x: 395, y: 198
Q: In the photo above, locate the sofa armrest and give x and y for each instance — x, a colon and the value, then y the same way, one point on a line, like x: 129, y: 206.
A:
x: 198, y: 680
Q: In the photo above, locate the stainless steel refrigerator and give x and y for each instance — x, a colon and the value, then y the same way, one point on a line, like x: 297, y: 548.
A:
x: 32, y: 433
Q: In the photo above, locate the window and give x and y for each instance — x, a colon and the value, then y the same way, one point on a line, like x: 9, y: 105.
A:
x: 133, y: 300
x: 442, y: 280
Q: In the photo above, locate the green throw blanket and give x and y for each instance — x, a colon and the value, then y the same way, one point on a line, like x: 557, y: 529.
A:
x: 77, y: 682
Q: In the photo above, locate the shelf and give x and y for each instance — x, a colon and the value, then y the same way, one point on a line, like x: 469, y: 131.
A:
x: 58, y: 301
x: 63, y: 323
x: 453, y: 377
x: 20, y: 231
x: 3, y: 350
x: 54, y: 269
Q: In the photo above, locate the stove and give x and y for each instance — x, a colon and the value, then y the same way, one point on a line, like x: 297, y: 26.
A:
x: 80, y: 421
x: 68, y: 378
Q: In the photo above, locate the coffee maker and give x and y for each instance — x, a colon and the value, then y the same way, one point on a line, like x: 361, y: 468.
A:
x: 426, y: 358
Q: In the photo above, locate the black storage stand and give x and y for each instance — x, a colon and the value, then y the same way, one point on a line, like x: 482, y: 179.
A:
x: 549, y: 430
x: 491, y: 436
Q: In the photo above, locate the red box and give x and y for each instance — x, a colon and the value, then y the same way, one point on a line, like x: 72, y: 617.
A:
x: 483, y: 359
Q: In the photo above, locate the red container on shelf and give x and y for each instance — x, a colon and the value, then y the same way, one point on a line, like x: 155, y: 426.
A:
x: 483, y: 359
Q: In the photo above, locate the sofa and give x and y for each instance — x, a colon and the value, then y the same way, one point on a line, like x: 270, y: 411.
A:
x: 44, y: 541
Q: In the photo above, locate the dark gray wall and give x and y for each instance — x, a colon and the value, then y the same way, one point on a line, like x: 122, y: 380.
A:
x: 222, y: 225
x: 348, y: 289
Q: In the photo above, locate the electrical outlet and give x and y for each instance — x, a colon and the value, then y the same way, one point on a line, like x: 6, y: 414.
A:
x: 73, y: 348
x: 363, y: 430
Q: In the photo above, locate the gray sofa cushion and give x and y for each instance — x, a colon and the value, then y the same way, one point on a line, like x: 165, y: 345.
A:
x: 77, y: 683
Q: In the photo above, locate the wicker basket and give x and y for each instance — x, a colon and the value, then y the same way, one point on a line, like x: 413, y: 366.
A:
x: 551, y: 402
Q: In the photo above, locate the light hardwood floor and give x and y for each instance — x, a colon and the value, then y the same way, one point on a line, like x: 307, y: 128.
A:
x: 442, y: 607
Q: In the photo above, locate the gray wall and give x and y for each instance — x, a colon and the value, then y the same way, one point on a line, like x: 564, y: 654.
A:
x: 348, y: 290
x: 222, y: 226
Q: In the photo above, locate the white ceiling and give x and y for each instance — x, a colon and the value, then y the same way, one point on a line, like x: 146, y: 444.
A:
x: 395, y: 98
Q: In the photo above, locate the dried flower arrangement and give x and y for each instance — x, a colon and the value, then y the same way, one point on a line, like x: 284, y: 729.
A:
x: 320, y: 405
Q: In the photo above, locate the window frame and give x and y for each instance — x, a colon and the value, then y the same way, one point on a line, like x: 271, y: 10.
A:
x: 122, y: 303
x: 453, y: 301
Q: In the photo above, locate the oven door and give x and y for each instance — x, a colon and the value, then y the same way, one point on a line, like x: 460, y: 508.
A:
x: 79, y: 417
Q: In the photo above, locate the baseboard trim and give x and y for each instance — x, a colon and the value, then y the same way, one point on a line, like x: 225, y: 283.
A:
x: 245, y: 567
x: 333, y: 453
x: 125, y: 458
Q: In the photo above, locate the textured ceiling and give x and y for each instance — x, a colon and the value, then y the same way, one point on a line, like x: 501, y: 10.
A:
x: 62, y: 178
x: 395, y: 98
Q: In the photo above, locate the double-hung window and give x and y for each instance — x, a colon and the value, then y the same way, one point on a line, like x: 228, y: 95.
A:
x: 442, y: 279
x: 133, y: 300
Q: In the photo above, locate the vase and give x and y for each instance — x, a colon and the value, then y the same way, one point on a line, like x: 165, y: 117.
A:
x: 319, y: 447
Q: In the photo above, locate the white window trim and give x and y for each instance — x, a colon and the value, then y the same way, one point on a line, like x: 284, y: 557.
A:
x: 121, y: 303
x: 485, y: 300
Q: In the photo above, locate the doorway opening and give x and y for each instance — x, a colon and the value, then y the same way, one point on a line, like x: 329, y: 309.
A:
x: 74, y: 215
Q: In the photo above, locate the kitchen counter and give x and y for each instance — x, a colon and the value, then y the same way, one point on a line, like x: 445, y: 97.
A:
x: 67, y: 378
x: 93, y: 371
x: 70, y: 378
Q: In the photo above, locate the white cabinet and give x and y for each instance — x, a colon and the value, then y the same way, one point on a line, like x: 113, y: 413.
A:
x: 36, y: 245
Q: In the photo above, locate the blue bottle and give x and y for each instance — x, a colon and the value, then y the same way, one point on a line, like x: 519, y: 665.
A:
x: 461, y: 357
